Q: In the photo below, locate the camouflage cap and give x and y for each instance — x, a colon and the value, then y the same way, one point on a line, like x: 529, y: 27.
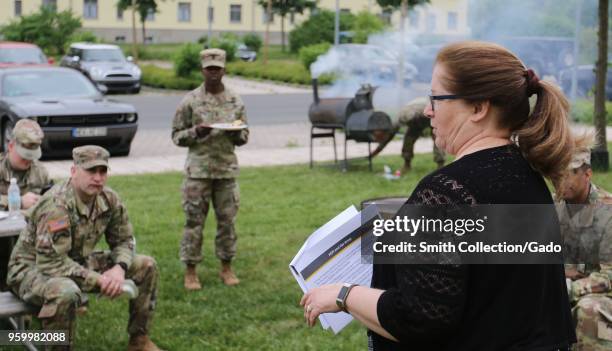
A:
x: 582, y: 155
x: 90, y: 156
x: 28, y: 136
x: 212, y: 57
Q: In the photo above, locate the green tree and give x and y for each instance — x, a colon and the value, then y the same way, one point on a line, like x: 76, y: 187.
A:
x: 600, y: 153
x: 287, y: 7
x: 396, y: 4
x: 366, y: 24
x: 318, y: 28
x: 143, y: 7
x: 46, y: 28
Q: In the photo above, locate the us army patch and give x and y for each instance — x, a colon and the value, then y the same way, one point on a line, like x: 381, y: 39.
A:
x: 59, y: 224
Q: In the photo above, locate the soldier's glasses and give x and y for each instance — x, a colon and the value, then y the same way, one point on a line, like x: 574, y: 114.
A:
x: 433, y: 98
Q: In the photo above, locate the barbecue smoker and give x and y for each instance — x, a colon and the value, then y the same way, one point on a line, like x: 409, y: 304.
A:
x: 355, y: 116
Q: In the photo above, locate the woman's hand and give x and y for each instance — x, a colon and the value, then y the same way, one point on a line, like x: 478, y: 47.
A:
x: 320, y: 300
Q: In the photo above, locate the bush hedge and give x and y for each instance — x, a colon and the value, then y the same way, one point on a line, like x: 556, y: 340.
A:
x: 583, y: 110
x: 284, y: 72
x: 157, y: 77
x: 252, y: 41
x: 317, y: 29
x: 310, y: 53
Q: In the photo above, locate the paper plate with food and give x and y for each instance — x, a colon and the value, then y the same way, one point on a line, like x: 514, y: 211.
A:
x: 236, y: 125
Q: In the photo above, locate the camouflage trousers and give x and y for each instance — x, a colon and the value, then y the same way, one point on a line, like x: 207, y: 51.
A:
x: 410, y: 138
x: 197, y: 195
x: 593, y: 318
x: 60, y: 297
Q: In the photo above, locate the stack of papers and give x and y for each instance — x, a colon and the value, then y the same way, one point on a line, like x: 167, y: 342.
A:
x: 333, y: 254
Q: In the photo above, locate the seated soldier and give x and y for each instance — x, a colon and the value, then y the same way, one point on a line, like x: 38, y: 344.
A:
x: 54, y: 262
x: 20, y: 161
x: 585, y: 215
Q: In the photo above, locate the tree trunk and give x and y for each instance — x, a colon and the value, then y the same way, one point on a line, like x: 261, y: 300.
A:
x: 267, y: 38
x: 134, y: 39
x: 283, y: 33
x: 600, y: 153
x: 144, y: 33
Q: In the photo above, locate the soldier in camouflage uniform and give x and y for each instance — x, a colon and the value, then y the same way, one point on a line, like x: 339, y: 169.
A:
x: 20, y: 161
x: 54, y: 262
x: 585, y: 215
x: 417, y: 124
x: 211, y: 166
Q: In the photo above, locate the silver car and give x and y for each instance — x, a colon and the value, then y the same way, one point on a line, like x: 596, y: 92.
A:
x: 106, y: 65
x: 68, y: 107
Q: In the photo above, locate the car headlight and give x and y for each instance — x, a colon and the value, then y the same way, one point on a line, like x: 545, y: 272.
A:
x: 136, y: 72
x: 96, y: 73
x: 130, y: 117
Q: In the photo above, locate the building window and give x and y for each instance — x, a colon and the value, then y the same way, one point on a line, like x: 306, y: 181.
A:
x: 90, y: 9
x: 211, y: 14
x: 345, y: 11
x: 264, y: 17
x: 452, y: 21
x: 17, y: 8
x: 150, y: 15
x: 431, y: 22
x: 184, y: 12
x: 292, y: 18
x: 385, y: 16
x: 119, y: 14
x: 51, y: 4
x: 235, y: 13
x: 414, y: 19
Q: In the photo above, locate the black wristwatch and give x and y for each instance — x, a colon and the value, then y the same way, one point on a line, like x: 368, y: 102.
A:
x: 343, y: 294
x: 123, y: 266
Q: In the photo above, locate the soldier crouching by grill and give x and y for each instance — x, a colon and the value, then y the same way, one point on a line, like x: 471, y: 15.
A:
x: 54, y: 262
x: 211, y: 167
x: 585, y: 215
x: 417, y: 124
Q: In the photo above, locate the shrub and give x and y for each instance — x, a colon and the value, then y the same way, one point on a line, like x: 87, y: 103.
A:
x: 366, y: 24
x: 47, y: 28
x: 281, y: 71
x: 166, y: 79
x: 230, y: 46
x: 187, y: 60
x: 318, y: 28
x: 252, y: 41
x: 310, y: 53
x: 583, y: 110
x: 203, y: 39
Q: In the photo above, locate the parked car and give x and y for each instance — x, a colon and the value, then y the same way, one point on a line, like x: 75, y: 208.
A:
x: 585, y: 77
x: 370, y: 62
x: 104, y: 64
x: 68, y: 107
x: 16, y: 54
x: 246, y: 54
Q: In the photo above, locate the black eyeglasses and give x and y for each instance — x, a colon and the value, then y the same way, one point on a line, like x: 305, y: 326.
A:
x: 433, y: 98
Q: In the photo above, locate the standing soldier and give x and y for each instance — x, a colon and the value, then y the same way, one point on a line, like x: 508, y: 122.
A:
x: 417, y: 124
x: 54, y: 260
x: 585, y: 215
x: 211, y: 166
x: 20, y: 161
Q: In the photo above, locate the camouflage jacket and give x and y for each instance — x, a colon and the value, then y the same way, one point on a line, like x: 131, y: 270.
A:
x: 33, y: 180
x: 62, y: 233
x: 586, y: 231
x: 211, y: 156
x: 413, y: 110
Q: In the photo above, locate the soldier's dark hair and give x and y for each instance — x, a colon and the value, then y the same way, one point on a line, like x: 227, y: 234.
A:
x: 481, y: 71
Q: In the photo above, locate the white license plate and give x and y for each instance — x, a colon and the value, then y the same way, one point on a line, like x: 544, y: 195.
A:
x: 88, y: 132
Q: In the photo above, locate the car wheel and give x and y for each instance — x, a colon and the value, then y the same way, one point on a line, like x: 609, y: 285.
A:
x: 136, y: 91
x: 7, y: 131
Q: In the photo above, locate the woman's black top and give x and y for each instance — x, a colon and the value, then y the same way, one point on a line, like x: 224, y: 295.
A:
x: 476, y: 307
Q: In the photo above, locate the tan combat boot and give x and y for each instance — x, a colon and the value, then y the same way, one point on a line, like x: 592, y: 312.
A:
x: 227, y: 275
x: 142, y: 343
x: 191, y: 279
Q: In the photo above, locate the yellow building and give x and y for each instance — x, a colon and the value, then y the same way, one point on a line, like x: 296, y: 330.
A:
x: 187, y: 20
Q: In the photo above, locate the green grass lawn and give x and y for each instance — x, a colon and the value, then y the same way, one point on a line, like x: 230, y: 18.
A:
x: 280, y: 207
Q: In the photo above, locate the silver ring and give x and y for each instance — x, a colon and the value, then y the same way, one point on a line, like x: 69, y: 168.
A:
x: 308, y: 309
